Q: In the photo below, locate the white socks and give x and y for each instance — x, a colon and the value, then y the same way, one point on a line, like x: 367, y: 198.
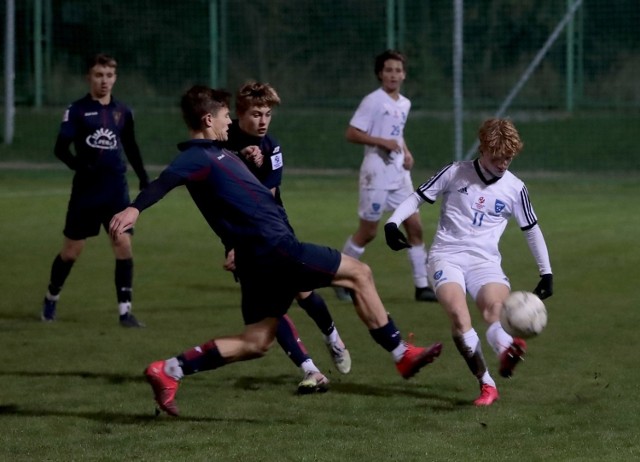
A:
x: 498, y: 338
x: 352, y: 250
x: 418, y: 259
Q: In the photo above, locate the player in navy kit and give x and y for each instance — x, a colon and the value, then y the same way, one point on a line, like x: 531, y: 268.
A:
x: 272, y: 265
x: 100, y: 129
x: 249, y: 136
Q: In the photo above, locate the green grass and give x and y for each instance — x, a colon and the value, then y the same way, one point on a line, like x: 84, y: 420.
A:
x: 73, y: 390
x: 584, y: 142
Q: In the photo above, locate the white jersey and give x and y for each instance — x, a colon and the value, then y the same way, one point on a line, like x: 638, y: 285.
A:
x: 381, y: 116
x: 475, y: 210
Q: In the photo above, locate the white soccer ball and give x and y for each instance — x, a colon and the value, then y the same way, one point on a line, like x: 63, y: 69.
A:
x: 523, y: 315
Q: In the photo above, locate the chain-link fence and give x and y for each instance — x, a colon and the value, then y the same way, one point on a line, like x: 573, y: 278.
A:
x: 320, y: 53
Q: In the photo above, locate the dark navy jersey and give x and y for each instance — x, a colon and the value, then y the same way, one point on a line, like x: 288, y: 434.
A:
x: 100, y: 134
x: 237, y: 207
x: 270, y: 172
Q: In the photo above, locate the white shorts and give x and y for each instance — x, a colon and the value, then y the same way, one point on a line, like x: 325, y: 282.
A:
x: 469, y: 271
x: 374, y: 202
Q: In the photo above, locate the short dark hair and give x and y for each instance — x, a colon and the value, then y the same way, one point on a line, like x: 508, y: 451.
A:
x: 201, y: 100
x: 386, y: 55
x: 101, y: 59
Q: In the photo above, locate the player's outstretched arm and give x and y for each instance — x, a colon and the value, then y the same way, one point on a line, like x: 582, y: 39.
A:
x: 123, y: 221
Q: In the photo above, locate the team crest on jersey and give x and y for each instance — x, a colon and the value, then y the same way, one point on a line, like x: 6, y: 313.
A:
x: 117, y: 115
x: 276, y: 161
x: 103, y: 138
x: 499, y: 206
x: 375, y: 206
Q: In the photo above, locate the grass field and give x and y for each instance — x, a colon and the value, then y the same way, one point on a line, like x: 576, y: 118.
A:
x: 585, y: 142
x: 73, y: 390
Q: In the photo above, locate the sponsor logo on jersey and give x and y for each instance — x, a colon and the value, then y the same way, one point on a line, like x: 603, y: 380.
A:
x: 276, y: 150
x: 89, y: 114
x: 65, y: 116
x: 479, y: 204
x: 103, y: 138
x: 117, y: 115
x: 463, y: 190
x: 276, y: 161
x: 437, y: 275
x: 499, y: 207
x: 220, y: 157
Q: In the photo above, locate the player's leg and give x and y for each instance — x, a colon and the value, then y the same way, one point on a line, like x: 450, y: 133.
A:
x: 370, y: 208
x: 60, y: 269
x: 287, y: 336
x: 450, y: 286
x: 165, y: 376
x: 356, y: 276
x: 315, y: 306
x: 510, y: 350
x: 417, y: 254
x: 123, y: 277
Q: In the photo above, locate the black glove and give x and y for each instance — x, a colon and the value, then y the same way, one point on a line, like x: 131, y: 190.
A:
x: 395, y: 239
x: 544, y: 289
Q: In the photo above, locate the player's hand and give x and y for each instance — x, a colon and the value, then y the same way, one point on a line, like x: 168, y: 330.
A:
x: 230, y: 261
x: 544, y: 289
x: 253, y: 154
x: 390, y: 144
x: 395, y: 239
x: 408, y: 160
x: 123, y: 221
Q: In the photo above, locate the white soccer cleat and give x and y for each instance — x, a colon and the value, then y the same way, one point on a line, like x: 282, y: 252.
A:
x: 340, y: 356
x: 313, y: 382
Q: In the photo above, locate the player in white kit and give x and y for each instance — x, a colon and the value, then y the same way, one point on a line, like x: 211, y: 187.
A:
x: 478, y: 198
x: 385, y: 181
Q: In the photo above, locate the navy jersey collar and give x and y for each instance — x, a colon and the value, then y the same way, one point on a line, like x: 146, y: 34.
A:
x: 198, y: 142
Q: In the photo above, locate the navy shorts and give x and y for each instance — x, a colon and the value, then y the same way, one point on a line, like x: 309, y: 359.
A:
x: 85, y: 215
x: 270, y: 283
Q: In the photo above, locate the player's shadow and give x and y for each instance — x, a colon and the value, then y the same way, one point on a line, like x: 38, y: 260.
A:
x: 432, y: 399
x: 114, y: 379
x: 118, y: 418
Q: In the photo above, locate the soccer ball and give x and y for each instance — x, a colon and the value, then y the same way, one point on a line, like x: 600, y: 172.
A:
x: 523, y: 315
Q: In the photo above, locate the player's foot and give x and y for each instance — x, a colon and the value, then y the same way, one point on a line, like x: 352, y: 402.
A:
x: 129, y: 320
x: 488, y: 395
x: 48, y: 310
x: 510, y: 357
x: 343, y: 294
x: 415, y: 358
x: 164, y: 387
x: 425, y: 294
x: 340, y: 356
x: 313, y: 382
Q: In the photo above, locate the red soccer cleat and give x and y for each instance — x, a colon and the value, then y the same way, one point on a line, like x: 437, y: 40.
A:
x: 488, y: 395
x: 164, y: 387
x: 415, y: 358
x: 512, y: 356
